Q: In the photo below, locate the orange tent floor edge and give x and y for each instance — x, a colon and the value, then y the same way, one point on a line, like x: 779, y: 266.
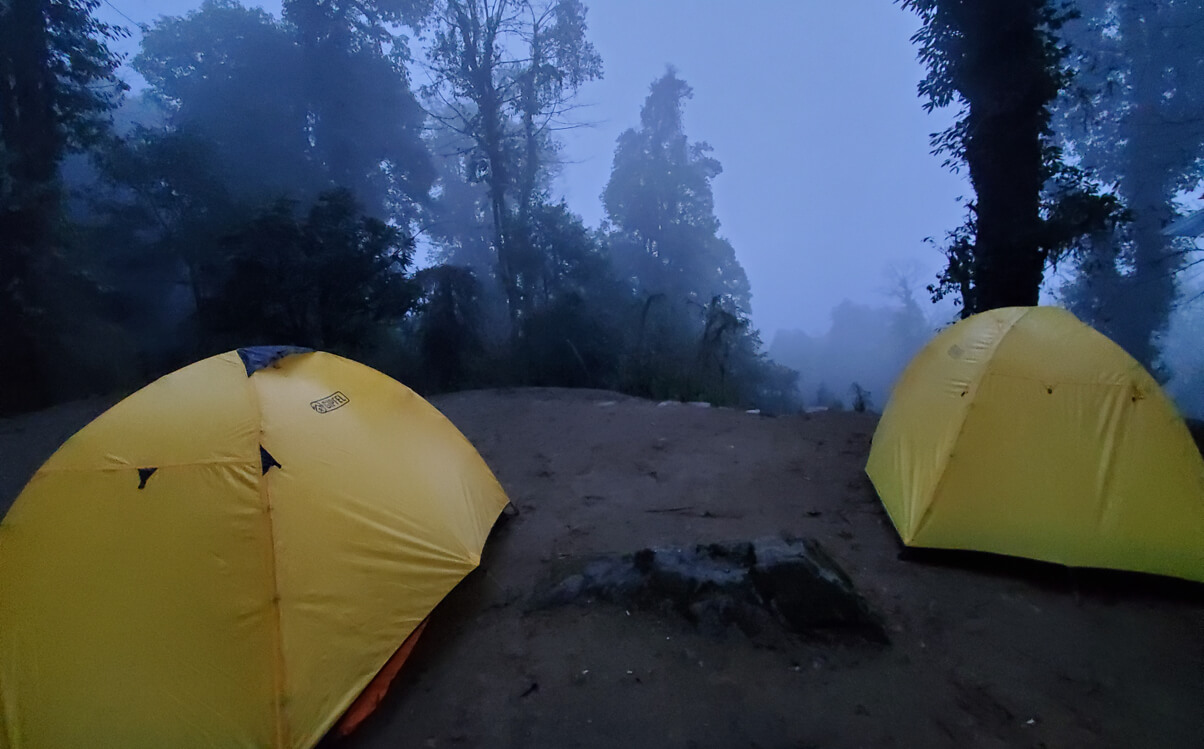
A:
x: 372, y: 695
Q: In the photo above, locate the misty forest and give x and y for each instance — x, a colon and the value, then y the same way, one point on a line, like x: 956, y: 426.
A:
x: 601, y: 373
x: 378, y: 178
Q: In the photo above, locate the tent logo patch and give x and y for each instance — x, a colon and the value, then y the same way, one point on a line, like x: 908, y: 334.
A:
x: 330, y: 402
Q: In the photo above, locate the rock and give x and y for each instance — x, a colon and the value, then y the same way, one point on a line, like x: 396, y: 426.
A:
x: 567, y: 591
x: 788, y: 583
x: 808, y: 590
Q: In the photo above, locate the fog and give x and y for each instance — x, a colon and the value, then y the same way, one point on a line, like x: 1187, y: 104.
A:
x: 811, y: 108
x: 811, y: 212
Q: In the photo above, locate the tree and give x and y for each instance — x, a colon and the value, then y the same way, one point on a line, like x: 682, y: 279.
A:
x: 360, y: 112
x: 1002, y: 61
x: 660, y: 205
x: 908, y: 329
x: 224, y: 76
x: 495, y: 63
x: 241, y: 132
x: 572, y: 334
x: 352, y: 25
x: 323, y: 282
x: 689, y: 333
x: 560, y: 61
x: 57, y: 84
x: 228, y: 75
x: 1134, y: 117
x: 448, y: 321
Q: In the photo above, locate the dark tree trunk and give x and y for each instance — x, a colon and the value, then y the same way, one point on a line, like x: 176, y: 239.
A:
x: 495, y: 154
x: 1008, y: 86
x: 503, y: 235
x: 33, y: 142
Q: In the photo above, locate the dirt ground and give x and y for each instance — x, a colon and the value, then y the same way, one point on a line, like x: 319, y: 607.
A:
x: 984, y: 652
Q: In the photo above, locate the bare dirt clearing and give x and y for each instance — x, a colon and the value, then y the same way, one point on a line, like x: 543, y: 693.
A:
x: 983, y: 652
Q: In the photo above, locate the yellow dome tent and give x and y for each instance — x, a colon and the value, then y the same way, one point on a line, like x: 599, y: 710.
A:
x: 231, y: 554
x: 1022, y: 431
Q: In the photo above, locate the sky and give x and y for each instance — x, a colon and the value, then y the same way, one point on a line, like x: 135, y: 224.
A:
x: 811, y: 107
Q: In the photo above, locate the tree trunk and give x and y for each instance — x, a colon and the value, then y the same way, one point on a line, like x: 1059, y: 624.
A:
x: 478, y: 34
x: 1008, y: 86
x: 33, y: 142
x: 530, y: 138
x: 1145, y: 309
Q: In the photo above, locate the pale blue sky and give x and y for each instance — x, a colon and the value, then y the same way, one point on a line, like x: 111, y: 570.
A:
x: 811, y: 107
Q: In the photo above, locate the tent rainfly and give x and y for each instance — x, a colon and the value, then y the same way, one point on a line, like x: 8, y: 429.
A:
x: 1023, y: 431
x: 231, y: 555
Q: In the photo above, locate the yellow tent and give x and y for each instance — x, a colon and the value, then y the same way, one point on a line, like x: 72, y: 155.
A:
x: 230, y: 555
x: 1022, y: 431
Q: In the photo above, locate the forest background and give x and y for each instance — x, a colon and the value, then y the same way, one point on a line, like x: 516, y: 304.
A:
x: 385, y: 179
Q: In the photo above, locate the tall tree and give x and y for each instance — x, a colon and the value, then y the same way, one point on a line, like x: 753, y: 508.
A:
x: 660, y: 205
x: 57, y: 84
x: 242, y: 131
x: 360, y: 112
x: 1133, y: 116
x: 448, y: 328
x: 503, y: 75
x: 225, y: 75
x: 229, y: 75
x: 691, y: 333
x: 1002, y: 62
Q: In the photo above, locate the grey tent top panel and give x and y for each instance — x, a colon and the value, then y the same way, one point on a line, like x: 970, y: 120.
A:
x: 255, y: 358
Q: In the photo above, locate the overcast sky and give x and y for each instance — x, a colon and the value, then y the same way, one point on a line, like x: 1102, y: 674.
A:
x: 810, y: 106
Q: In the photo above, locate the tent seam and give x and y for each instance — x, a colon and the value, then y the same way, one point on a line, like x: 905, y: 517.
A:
x: 975, y: 385
x: 278, y: 660
x: 1103, y: 503
x: 1043, y: 380
x: 129, y: 466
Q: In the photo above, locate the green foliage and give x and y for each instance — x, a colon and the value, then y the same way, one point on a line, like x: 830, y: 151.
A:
x: 323, y: 281
x: 357, y: 24
x: 567, y: 344
x: 1003, y: 62
x: 693, y: 339
x: 285, y: 119
x: 57, y: 82
x: 1132, y: 117
x: 571, y: 333
x: 448, y: 324
x: 266, y: 184
x: 662, y: 211
x: 558, y: 258
x: 240, y: 139
x: 57, y: 85
x: 504, y: 73
x: 226, y: 76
